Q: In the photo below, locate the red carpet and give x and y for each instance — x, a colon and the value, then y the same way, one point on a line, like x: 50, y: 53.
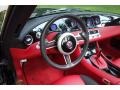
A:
x: 39, y: 72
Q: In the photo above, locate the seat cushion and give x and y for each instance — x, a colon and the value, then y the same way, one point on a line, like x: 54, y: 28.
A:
x: 70, y: 80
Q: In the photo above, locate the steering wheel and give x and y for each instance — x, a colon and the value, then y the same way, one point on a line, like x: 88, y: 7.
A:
x: 66, y: 43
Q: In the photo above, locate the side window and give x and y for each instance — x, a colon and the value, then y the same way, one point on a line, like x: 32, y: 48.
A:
x: 2, y: 14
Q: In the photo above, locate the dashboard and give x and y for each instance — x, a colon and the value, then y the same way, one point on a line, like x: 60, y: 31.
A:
x: 62, y: 25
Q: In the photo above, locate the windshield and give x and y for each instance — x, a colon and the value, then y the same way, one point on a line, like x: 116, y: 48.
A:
x: 53, y: 9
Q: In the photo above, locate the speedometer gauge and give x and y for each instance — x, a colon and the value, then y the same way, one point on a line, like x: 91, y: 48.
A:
x: 53, y: 27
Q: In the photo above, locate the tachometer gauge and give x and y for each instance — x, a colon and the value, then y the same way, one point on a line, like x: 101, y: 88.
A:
x: 53, y: 27
x: 90, y: 23
x: 63, y: 27
x: 28, y: 40
x: 68, y: 22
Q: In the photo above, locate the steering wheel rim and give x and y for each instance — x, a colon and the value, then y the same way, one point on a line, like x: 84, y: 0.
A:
x: 85, y: 35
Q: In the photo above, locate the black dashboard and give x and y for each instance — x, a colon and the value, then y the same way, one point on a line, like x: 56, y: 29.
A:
x: 34, y: 27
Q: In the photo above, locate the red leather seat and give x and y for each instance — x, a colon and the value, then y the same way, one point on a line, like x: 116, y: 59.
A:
x: 75, y: 80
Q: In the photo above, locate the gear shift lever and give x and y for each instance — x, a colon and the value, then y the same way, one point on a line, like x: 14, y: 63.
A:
x: 98, y: 54
x: 97, y: 60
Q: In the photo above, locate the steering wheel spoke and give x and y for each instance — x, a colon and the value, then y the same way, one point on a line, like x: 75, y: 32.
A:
x: 50, y: 44
x: 81, y: 36
x: 67, y: 59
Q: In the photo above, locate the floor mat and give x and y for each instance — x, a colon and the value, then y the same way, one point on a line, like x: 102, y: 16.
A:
x: 37, y: 71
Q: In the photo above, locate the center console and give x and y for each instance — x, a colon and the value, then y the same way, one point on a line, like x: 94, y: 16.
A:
x: 95, y: 56
x: 94, y: 34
